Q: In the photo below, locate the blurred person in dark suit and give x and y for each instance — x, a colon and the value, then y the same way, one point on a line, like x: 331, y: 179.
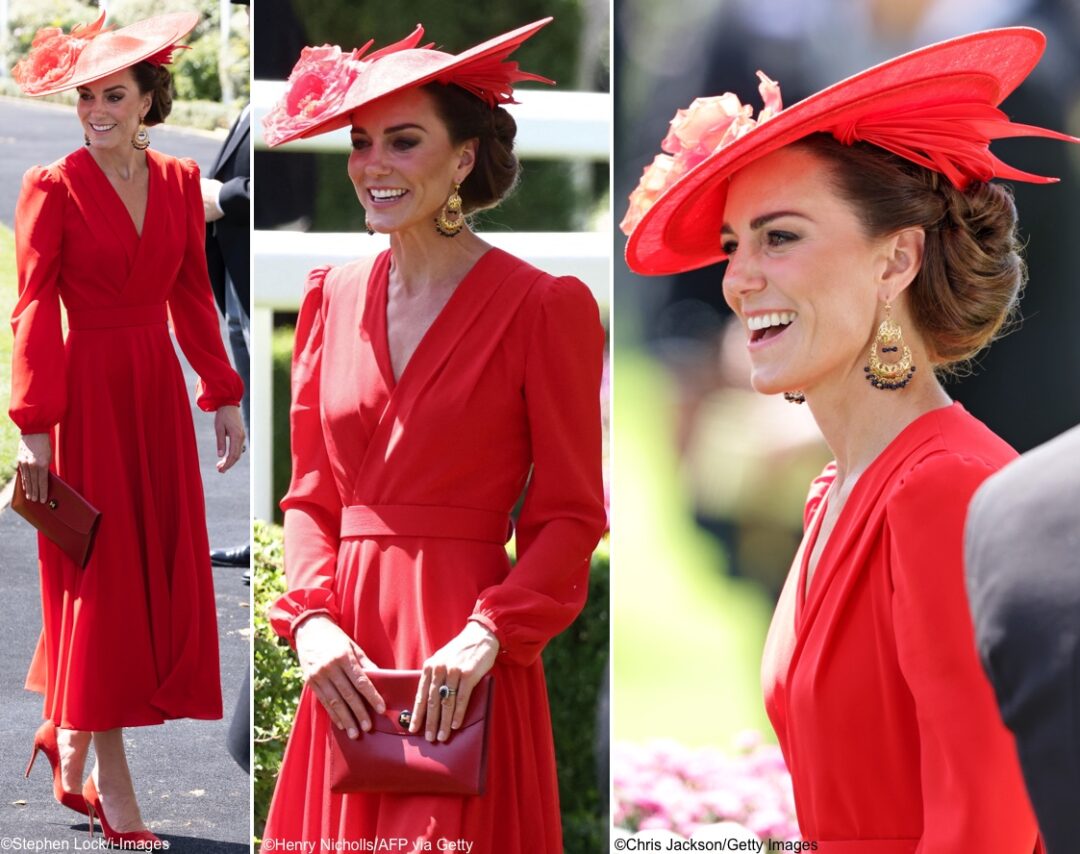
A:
x: 1023, y: 576
x: 227, y: 204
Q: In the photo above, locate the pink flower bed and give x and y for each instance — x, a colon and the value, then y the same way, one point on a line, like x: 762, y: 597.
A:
x: 666, y: 786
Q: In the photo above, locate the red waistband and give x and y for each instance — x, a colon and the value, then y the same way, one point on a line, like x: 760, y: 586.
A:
x: 115, y: 317
x: 418, y: 520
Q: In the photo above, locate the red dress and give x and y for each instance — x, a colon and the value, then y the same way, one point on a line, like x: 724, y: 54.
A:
x: 506, y: 379
x: 872, y: 681
x: 132, y: 638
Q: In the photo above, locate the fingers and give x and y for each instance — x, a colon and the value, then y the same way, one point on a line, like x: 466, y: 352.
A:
x: 465, y: 689
x: 434, y: 701
x: 420, y: 704
x: 359, y: 663
x: 221, y: 433
x: 35, y: 481
x: 235, y: 449
x: 346, y: 690
x: 41, y: 475
x: 335, y: 706
x: 450, y: 696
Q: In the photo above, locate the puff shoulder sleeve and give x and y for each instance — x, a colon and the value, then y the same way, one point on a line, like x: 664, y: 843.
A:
x: 563, y: 514
x: 194, y: 314
x: 38, y: 375
x: 973, y: 793
x: 312, y: 505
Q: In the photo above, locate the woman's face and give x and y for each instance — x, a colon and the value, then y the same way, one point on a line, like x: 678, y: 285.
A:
x: 111, y: 109
x: 802, y: 276
x: 403, y: 163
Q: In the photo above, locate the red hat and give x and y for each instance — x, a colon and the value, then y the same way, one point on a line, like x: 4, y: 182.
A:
x: 59, y: 61
x: 936, y: 106
x: 326, y: 85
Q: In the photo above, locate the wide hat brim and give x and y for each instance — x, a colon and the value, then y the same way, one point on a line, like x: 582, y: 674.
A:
x: 407, y: 69
x: 681, y: 231
x: 115, y: 50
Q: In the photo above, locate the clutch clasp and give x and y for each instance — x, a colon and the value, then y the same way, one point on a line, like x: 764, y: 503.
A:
x: 404, y: 719
x: 52, y: 503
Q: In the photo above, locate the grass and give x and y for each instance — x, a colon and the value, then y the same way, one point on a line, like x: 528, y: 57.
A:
x: 687, y: 637
x: 9, y: 433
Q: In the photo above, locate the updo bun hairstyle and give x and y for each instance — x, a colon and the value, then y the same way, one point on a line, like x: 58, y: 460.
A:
x: 157, y: 81
x: 972, y: 274
x: 467, y: 117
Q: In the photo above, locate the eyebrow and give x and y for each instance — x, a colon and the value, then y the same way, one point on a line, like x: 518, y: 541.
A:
x: 765, y: 219
x: 110, y: 89
x: 394, y: 129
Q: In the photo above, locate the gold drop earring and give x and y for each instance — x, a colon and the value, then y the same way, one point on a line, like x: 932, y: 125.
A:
x: 450, y: 220
x: 141, y: 140
x: 897, y: 371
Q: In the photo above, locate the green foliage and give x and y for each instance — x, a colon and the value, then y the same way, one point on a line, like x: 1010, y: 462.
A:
x: 195, y: 72
x: 277, y: 674
x: 576, y: 662
x: 282, y: 460
x: 578, y: 656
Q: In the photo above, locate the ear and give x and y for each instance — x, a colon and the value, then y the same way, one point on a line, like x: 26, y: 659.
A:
x: 902, y: 259
x: 147, y: 102
x: 466, y: 160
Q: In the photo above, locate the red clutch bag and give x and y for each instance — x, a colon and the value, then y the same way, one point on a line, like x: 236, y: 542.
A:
x: 67, y: 518
x: 391, y: 759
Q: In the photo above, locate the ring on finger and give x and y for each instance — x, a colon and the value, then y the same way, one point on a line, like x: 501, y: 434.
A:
x: 446, y: 692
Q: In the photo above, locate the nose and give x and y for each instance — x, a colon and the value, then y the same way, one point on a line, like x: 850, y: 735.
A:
x: 375, y: 164
x: 742, y: 277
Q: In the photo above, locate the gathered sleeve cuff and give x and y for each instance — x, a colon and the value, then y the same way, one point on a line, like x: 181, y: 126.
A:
x: 194, y: 313
x: 312, y: 505
x: 38, y: 372
x: 563, y: 515
x: 974, y: 797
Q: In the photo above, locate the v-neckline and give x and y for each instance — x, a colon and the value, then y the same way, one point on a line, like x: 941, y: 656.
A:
x: 120, y: 201
x: 393, y: 383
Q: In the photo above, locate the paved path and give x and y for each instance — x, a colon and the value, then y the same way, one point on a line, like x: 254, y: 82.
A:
x: 33, y: 133
x: 190, y: 790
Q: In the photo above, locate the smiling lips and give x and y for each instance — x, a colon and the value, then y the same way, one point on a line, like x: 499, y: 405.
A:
x: 767, y: 326
x: 101, y: 128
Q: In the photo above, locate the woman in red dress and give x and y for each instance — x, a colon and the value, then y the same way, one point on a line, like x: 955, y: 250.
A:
x: 430, y: 386
x: 866, y: 251
x: 114, y: 231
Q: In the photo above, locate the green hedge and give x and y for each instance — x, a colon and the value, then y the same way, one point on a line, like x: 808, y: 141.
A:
x: 578, y: 656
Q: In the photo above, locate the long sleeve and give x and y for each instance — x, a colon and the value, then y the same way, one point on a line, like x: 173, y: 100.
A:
x: 312, y: 505
x: 563, y: 514
x: 973, y: 793
x: 38, y: 374
x: 194, y: 315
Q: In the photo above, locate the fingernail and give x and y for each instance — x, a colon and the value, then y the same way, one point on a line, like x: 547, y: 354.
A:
x: 365, y: 726
x: 380, y: 708
x: 430, y: 736
x: 353, y: 733
x: 442, y: 735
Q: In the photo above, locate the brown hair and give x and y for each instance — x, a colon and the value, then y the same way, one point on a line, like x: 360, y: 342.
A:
x: 156, y: 80
x: 972, y: 274
x: 467, y: 117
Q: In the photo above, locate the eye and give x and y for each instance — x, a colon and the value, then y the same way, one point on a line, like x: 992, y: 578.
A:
x: 729, y: 247
x: 404, y: 143
x: 780, y: 238
x: 116, y: 97
x: 85, y: 96
x: 359, y: 143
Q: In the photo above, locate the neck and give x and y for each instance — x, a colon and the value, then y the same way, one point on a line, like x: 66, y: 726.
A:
x: 119, y: 161
x: 859, y: 421
x: 422, y: 260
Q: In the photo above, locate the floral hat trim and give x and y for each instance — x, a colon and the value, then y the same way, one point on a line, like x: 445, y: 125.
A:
x: 327, y: 83
x: 54, y: 56
x: 708, y: 125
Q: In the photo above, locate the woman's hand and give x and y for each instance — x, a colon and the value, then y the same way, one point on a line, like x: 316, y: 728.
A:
x: 333, y: 665
x: 458, y: 666
x: 35, y: 454
x: 229, y: 428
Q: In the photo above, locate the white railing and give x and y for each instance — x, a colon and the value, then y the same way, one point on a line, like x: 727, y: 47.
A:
x: 551, y: 125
